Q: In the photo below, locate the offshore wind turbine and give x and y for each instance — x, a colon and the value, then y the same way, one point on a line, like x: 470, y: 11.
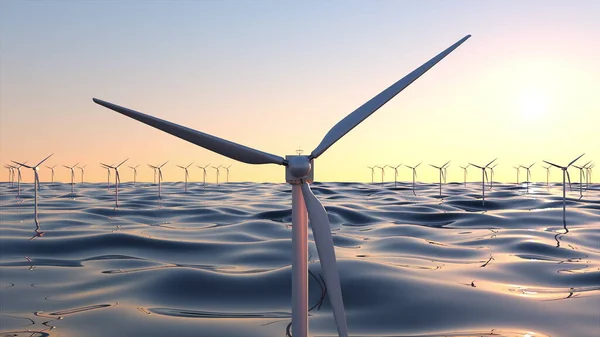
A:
x: 382, y: 172
x: 581, y: 175
x: 565, y: 174
x: 154, y: 171
x: 107, y: 167
x: 528, y: 174
x: 414, y: 174
x: 491, y: 168
x: 372, y: 173
x: 442, y: 174
x: 518, y: 168
x: 36, y: 184
x: 227, y: 168
x: 157, y: 169
x: 82, y: 171
x: 19, y: 177
x: 11, y: 174
x: 203, y: 173
x: 445, y: 175
x: 134, y: 168
x: 117, y: 179
x: 547, y: 174
x: 52, y: 169
x: 72, y: 168
x: 465, y: 173
x: 217, y: 168
x: 589, y: 174
x: 395, y: 173
x: 483, y: 177
x: 299, y: 173
x: 186, y: 175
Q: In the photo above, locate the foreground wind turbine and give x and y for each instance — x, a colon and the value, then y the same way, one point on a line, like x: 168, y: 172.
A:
x: 372, y: 173
x: 442, y: 173
x: 52, y: 169
x: 157, y: 169
x: 518, y: 168
x: 227, y: 169
x: 395, y: 173
x: 528, y: 176
x: 186, y: 175
x: 299, y: 173
x: 72, y: 168
x: 82, y: 171
x: 203, y: 173
x: 581, y: 175
x: 217, y: 168
x: 465, y: 172
x: 565, y: 174
x: 414, y: 174
x: 134, y: 168
x: 491, y: 168
x: 547, y: 174
x: 483, y: 178
x: 117, y: 179
x: 36, y: 183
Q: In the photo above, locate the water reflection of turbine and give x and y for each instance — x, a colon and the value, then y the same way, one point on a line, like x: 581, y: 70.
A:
x: 558, y: 235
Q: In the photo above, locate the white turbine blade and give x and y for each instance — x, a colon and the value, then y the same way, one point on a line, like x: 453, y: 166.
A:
x: 122, y: 162
x: 38, y: 164
x: 490, y: 162
x: 574, y: 160
x: 165, y: 163
x: 531, y: 165
x: 357, y: 116
x: 448, y: 162
x: 192, y: 163
x: 180, y: 166
x: 21, y: 164
x: 65, y: 166
x: 324, y: 242
x: 569, y: 177
x: 435, y: 167
x: 418, y: 164
x: 106, y: 166
x: 476, y: 166
x: 221, y: 146
x: 486, y: 176
x: 547, y: 162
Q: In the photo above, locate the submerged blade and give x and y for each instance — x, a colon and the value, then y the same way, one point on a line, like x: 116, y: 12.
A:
x: 324, y: 242
x: 221, y: 146
x: 357, y: 116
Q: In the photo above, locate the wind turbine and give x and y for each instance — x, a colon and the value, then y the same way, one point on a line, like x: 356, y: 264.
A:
x: 565, y: 173
x: 227, y: 168
x: 395, y: 173
x: 107, y: 167
x: 157, y: 169
x: 414, y: 175
x: 547, y: 174
x: 134, y: 168
x: 528, y: 174
x: 299, y: 172
x: 72, y: 176
x: 154, y: 170
x: 217, y: 168
x: 82, y: 171
x: 186, y: 175
x: 382, y: 172
x: 589, y: 174
x: 11, y: 174
x: 203, y: 173
x: 372, y: 173
x: 518, y: 168
x: 19, y: 178
x: 445, y: 175
x: 117, y: 179
x: 581, y: 175
x: 36, y: 183
x: 442, y: 174
x: 483, y: 177
x: 52, y: 169
x: 491, y: 168
x: 465, y: 172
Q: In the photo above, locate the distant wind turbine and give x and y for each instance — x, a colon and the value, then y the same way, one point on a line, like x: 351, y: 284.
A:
x: 442, y: 174
x: 36, y: 183
x: 589, y: 174
x: 565, y: 176
x: 414, y: 174
x: 52, y: 169
x: 465, y: 173
x: 528, y: 174
x: 134, y: 168
x: 203, y: 173
x: 491, y: 168
x: 372, y: 173
x: 82, y: 171
x: 483, y: 177
x: 72, y: 168
x: 217, y: 168
x: 107, y: 167
x: 158, y: 169
x: 547, y: 174
x: 11, y: 175
x: 117, y: 179
x: 395, y: 173
x: 186, y: 175
x: 227, y: 168
x: 581, y: 175
x: 518, y: 168
x: 19, y: 177
x: 382, y: 172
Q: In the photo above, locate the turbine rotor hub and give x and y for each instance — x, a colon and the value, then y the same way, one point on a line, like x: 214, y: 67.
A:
x: 299, y: 168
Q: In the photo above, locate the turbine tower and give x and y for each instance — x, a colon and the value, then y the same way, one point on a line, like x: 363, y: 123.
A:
x: 565, y: 174
x: 52, y: 169
x: 72, y: 168
x: 186, y: 175
x: 117, y: 179
x: 528, y: 175
x: 442, y: 173
x: 299, y: 173
x: 203, y: 173
x: 158, y: 169
x: 134, y: 168
x: 82, y: 171
x: 414, y: 174
x: 465, y: 173
x: 36, y: 184
x: 483, y: 177
x: 395, y: 173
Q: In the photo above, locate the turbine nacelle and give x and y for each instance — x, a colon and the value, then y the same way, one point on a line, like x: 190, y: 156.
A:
x: 299, y: 168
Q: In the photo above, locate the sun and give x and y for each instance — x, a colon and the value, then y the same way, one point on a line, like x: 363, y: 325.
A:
x: 532, y: 106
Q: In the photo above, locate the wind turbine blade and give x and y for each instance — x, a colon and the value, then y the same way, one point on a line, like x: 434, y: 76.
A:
x: 547, y: 162
x: 324, y: 242
x: 21, y: 164
x: 65, y: 166
x: 38, y: 164
x: 418, y: 164
x: 448, y: 162
x: 180, y: 166
x: 221, y: 146
x: 476, y: 166
x: 569, y: 177
x: 434, y: 166
x: 574, y: 160
x: 490, y: 162
x: 165, y: 163
x: 122, y: 162
x: 357, y: 116
x: 192, y: 163
x: 486, y: 176
x: 531, y: 165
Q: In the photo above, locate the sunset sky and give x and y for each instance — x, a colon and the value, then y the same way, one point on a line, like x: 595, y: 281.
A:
x: 278, y: 75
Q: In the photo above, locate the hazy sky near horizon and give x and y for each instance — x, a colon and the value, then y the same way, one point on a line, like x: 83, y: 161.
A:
x: 278, y: 75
